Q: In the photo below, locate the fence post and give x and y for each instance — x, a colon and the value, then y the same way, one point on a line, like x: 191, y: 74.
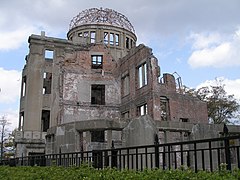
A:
x: 227, y: 148
x: 156, y: 142
x: 22, y: 160
x: 60, y: 157
x: 227, y: 154
x: 113, y: 156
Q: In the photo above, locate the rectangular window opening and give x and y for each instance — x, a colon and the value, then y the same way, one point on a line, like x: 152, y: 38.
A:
x: 47, y: 82
x: 184, y: 120
x: 97, y: 136
x: 98, y: 94
x: 92, y: 37
x: 97, y: 61
x: 105, y: 38
x: 125, y: 85
x: 24, y: 83
x: 21, y: 121
x: 45, y: 120
x: 48, y: 55
x: 140, y: 78
x: 117, y: 39
x: 142, y: 75
x: 142, y: 110
x: 111, y: 39
x: 127, y: 43
x: 164, y: 109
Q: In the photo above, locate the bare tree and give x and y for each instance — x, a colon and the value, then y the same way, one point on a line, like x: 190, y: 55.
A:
x: 3, y: 123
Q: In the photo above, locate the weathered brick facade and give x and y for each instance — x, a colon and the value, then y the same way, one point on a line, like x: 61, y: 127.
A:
x: 91, y: 87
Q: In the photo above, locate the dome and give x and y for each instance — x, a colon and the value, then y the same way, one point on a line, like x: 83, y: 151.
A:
x: 101, y: 16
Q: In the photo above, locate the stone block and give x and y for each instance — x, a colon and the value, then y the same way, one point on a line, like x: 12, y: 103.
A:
x: 18, y: 135
x: 140, y: 131
x: 27, y: 134
x: 36, y: 135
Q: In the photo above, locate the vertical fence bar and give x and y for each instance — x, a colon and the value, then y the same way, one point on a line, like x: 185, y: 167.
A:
x: 210, y: 155
x: 169, y: 157
x: 128, y: 158
x: 227, y: 154
x: 136, y: 158
x: 164, y: 158
x: 238, y: 158
x: 188, y: 159
x: 195, y: 157
x: 22, y: 160
x: 146, y: 157
x: 124, y: 160
x: 113, y: 158
x: 218, y: 155
x: 81, y: 158
x: 120, y: 159
x: 132, y: 159
x: 151, y: 161
x: 203, y: 160
x: 60, y: 157
x: 156, y: 155
x: 181, y: 149
x: 175, y: 159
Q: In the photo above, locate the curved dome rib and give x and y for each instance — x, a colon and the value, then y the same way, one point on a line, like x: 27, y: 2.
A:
x: 101, y: 16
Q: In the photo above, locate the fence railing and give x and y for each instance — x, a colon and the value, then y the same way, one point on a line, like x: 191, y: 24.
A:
x: 206, y: 154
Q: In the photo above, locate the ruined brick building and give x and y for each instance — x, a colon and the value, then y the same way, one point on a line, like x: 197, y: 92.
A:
x: 80, y: 93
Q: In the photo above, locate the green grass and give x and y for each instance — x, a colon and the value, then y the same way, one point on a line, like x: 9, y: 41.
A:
x: 85, y: 172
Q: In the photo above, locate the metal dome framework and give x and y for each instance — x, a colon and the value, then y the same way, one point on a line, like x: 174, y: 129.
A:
x: 101, y: 16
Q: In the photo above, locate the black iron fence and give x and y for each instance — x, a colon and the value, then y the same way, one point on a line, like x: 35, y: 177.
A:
x: 207, y: 154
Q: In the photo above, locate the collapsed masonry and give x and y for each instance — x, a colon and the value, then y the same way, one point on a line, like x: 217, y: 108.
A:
x: 85, y: 92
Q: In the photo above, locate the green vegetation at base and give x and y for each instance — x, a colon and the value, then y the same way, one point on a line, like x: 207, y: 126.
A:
x: 84, y: 172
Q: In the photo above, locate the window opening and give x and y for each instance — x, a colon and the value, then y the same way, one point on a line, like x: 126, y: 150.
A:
x: 142, y: 75
x: 24, y: 83
x: 184, y: 120
x: 92, y: 37
x: 98, y: 94
x: 164, y: 108
x: 80, y: 34
x: 105, y: 37
x: 142, y: 110
x: 117, y: 39
x: 145, y: 74
x: 127, y: 42
x: 21, y: 121
x: 125, y: 114
x: 48, y: 55
x: 47, y: 82
x: 85, y: 34
x: 125, y: 85
x: 97, y: 61
x: 111, y: 39
x: 45, y: 120
x: 97, y: 136
x: 44, y: 75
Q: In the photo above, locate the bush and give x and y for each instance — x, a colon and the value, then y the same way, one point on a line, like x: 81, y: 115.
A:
x: 86, y: 173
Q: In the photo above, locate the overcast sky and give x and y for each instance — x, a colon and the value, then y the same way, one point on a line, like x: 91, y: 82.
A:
x: 199, y: 39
